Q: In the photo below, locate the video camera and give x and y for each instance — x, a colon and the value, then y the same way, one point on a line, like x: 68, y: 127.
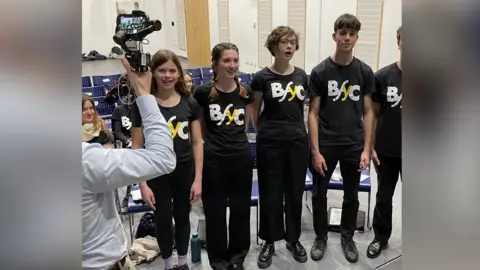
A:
x: 130, y: 32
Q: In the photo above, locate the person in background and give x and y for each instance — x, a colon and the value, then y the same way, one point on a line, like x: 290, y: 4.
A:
x: 340, y: 124
x: 94, y: 129
x: 282, y: 146
x: 387, y: 153
x: 104, y: 243
x: 189, y: 82
x: 228, y: 166
x: 184, y: 184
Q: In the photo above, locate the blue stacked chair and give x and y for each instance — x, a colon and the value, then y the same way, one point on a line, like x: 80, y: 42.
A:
x: 197, y: 81
x: 196, y: 72
x: 94, y: 91
x: 86, y: 81
x: 245, y: 78
x: 107, y: 81
x: 206, y: 80
x: 207, y: 72
x: 104, y: 109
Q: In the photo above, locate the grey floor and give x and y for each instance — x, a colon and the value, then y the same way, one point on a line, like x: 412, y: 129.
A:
x: 390, y: 259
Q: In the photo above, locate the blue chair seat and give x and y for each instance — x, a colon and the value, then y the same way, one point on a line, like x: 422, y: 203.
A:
x: 365, y: 184
x: 94, y: 91
x: 137, y: 207
x: 86, y: 81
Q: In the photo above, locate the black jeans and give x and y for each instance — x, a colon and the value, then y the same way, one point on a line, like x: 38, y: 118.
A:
x: 227, y: 181
x: 282, y: 167
x: 349, y: 158
x: 176, y: 186
x: 387, y: 174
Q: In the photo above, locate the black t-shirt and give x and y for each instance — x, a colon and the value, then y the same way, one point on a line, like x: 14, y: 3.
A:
x: 388, y: 92
x: 179, y: 118
x: 121, y: 122
x: 283, y: 98
x: 224, y: 120
x: 341, y: 90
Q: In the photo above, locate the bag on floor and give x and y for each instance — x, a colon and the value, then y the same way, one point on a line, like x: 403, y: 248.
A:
x: 146, y: 226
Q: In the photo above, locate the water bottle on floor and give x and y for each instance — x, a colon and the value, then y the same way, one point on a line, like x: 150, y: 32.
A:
x: 196, y: 248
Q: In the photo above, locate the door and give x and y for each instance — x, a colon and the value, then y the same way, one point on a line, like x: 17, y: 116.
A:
x: 197, y: 26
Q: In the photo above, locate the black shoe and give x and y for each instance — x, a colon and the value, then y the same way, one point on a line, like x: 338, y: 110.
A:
x: 298, y: 251
x: 265, y: 256
x: 183, y: 267
x: 236, y: 266
x: 318, y: 249
x: 350, y: 250
x: 375, y: 248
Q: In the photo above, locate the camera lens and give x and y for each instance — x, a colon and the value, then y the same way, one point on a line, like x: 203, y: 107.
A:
x: 119, y: 37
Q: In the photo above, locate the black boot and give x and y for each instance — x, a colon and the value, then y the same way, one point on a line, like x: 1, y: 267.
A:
x: 265, y: 256
x: 318, y: 249
x: 350, y: 250
x: 298, y: 251
x: 375, y: 248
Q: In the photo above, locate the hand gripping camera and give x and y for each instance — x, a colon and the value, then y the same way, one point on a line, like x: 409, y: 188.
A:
x: 130, y: 32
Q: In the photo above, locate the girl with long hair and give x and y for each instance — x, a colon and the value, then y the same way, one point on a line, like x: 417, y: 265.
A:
x: 227, y: 171
x: 184, y: 184
x: 94, y: 129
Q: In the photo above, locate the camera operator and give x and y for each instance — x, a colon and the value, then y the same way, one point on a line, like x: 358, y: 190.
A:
x: 104, y: 243
x: 121, y: 118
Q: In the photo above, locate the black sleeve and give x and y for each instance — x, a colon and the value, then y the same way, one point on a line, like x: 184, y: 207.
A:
x: 249, y: 98
x: 103, y: 138
x: 116, y: 114
x: 256, y: 83
x: 136, y: 117
x: 377, y: 95
x: 118, y: 131
x: 199, y: 95
x: 196, y: 110
x: 317, y: 87
x: 369, y: 87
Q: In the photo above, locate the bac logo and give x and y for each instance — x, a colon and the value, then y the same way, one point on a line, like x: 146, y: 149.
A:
x: 352, y: 91
x: 393, y: 97
x: 180, y: 129
x: 126, y: 123
x: 227, y: 115
x: 278, y: 91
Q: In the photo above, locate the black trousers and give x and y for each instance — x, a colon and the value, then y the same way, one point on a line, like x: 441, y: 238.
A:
x: 174, y: 186
x: 282, y: 167
x: 349, y: 158
x: 387, y: 174
x: 227, y: 181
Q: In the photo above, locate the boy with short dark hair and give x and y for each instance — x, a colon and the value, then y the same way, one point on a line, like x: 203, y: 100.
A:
x: 340, y: 88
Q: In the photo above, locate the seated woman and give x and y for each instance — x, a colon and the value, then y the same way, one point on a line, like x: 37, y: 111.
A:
x: 189, y: 82
x: 94, y: 129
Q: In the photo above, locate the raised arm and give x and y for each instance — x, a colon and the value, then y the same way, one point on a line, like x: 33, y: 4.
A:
x: 108, y: 169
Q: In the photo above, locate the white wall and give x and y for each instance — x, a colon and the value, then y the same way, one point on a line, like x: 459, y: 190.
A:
x: 97, y: 26
x: 99, y: 19
x: 392, y: 19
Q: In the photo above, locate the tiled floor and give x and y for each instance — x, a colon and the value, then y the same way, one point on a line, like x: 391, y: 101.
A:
x: 334, y: 259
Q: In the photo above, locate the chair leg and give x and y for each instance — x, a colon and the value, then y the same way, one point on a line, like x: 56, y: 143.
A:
x: 306, y: 203
x: 258, y: 238
x: 130, y: 223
